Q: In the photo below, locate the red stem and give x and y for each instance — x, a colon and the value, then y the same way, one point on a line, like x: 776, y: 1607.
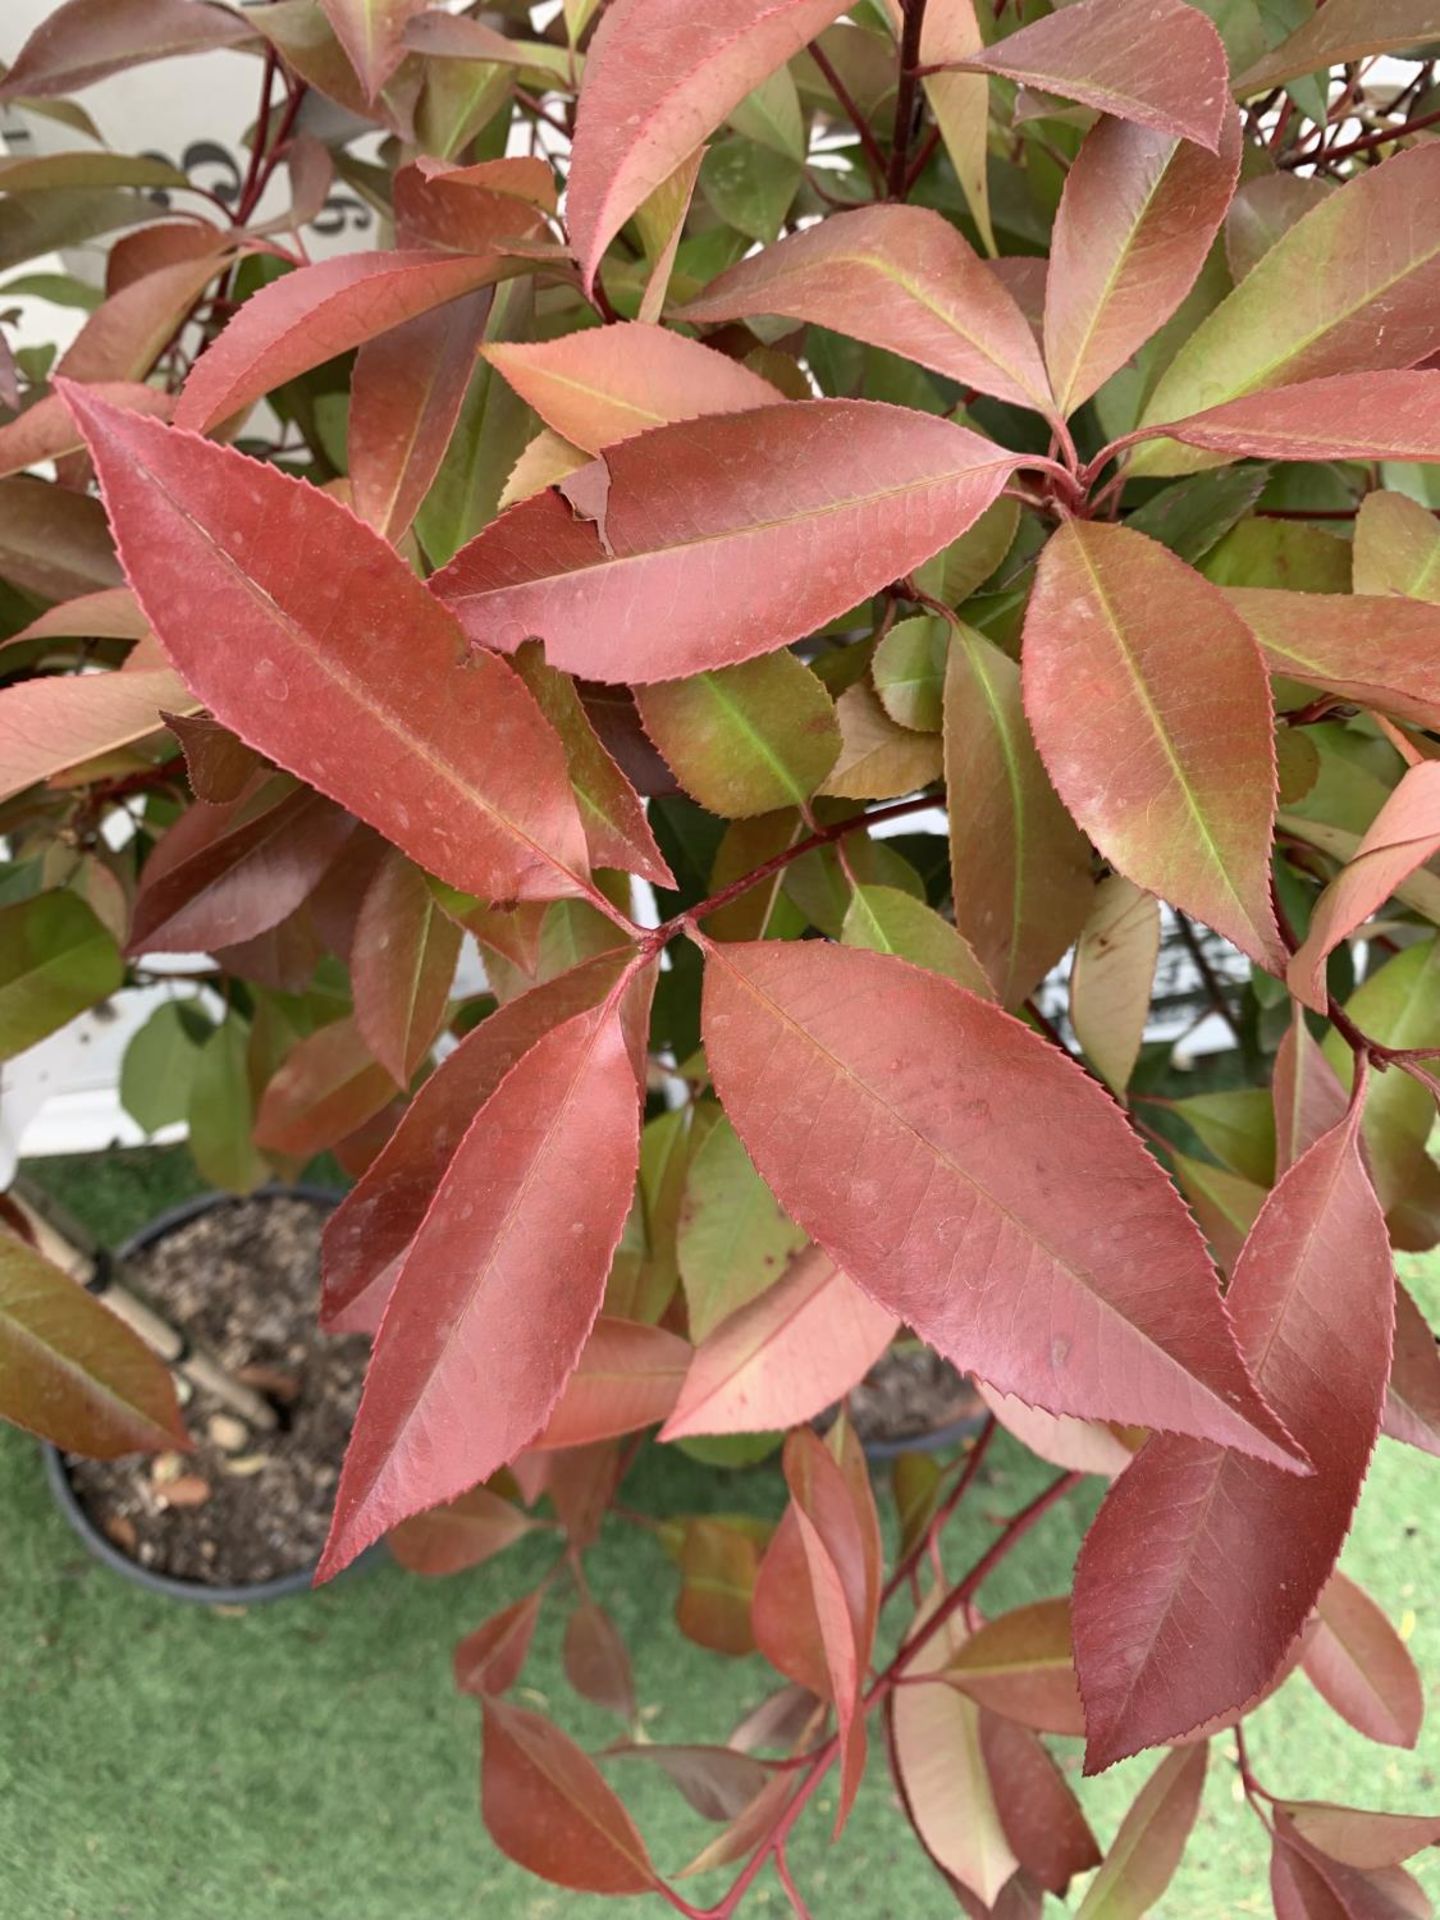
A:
x: 905, y: 95
x: 1364, y: 144
x: 869, y: 145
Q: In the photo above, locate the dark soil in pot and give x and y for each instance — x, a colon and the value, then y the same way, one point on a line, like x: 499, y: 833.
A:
x: 911, y: 1399
x: 242, y: 1278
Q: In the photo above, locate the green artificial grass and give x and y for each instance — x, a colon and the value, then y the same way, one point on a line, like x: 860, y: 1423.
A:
x: 163, y: 1762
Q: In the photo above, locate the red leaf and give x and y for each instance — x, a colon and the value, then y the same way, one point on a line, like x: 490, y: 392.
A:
x: 717, y: 1782
x: 502, y: 1284
x: 722, y: 538
x: 466, y: 1533
x: 369, y: 1236
x: 488, y: 1661
x: 372, y: 34
x: 47, y: 430
x: 219, y: 764
x: 1402, y: 836
x: 1350, y: 416
x: 616, y: 830
x: 309, y: 316
x: 127, y: 333
x: 943, y: 1780
x: 1137, y: 218
x: 596, y: 1663
x: 1038, y: 1812
x: 1307, y: 1884
x: 405, y: 398
x: 610, y: 383
x: 1022, y: 1666
x: 350, y: 673
x: 227, y: 873
x: 627, y: 1377
x: 1151, y: 712
x: 932, y: 1209
x: 1361, y: 1839
x: 85, y: 40
x: 110, y: 614
x: 1309, y: 1098
x: 71, y: 1371
x: 1081, y: 1446
x: 900, y: 278
x: 329, y: 1085
x: 1358, y: 1663
x: 50, y: 724
x: 1146, y: 1851
x: 784, y: 1357
x: 783, y: 1614
x: 1379, y: 650
x: 1202, y: 1566
x: 475, y: 210
x: 548, y: 1808
x: 1167, y: 71
x: 403, y: 966
x: 658, y: 79
x: 1412, y: 1410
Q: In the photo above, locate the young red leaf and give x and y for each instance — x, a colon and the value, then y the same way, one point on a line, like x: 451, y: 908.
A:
x: 1350, y: 416
x: 1022, y: 1666
x: 50, y: 724
x: 627, y: 1377
x: 403, y: 966
x: 1307, y: 1092
x: 84, y: 40
x: 465, y: 1533
x: 309, y: 316
x: 547, y: 1807
x: 1113, y: 976
x: 1359, y: 1837
x: 47, y: 430
x: 1403, y: 836
x: 1137, y: 218
x: 1081, y: 1446
x: 220, y: 766
x: 610, y: 383
x: 1039, y: 1814
x: 1285, y: 323
x: 126, y: 334
x: 488, y: 1661
x: 351, y: 673
x: 406, y: 393
x: 1358, y: 1663
x: 785, y: 1356
x: 369, y: 1236
x: 1202, y: 1566
x: 1345, y: 30
x: 901, y: 278
x: 784, y: 1617
x: 473, y: 210
x: 596, y: 1662
x: 502, y: 1283
x: 372, y: 34
x: 227, y: 873
x: 1019, y: 866
x: 657, y: 81
x: 928, y: 1206
x: 1151, y: 711
x: 939, y: 1768
x: 1307, y: 1884
x: 701, y: 544
x: 1412, y: 1409
x: 616, y: 830
x: 111, y: 614
x: 1146, y: 1851
x: 1167, y: 71
x: 1378, y: 650
x: 329, y: 1085
x: 71, y: 1371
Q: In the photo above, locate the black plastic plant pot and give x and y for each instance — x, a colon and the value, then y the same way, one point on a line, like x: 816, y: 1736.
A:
x: 197, y: 1592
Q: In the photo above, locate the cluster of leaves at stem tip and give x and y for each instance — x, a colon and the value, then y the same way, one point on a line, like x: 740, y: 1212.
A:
x: 833, y: 541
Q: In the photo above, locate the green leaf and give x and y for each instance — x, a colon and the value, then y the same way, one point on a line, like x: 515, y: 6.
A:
x: 55, y: 961
x: 1397, y: 547
x: 1194, y: 515
x: 909, y: 672
x: 747, y: 739
x: 957, y: 570
x: 158, y: 1071
x: 1239, y: 1129
x: 222, y: 1112
x: 733, y: 1240
x: 884, y: 920
x: 1280, y: 553
x: 45, y: 172
x: 750, y: 186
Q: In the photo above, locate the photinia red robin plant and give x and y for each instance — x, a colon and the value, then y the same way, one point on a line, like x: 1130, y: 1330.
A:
x: 771, y: 421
